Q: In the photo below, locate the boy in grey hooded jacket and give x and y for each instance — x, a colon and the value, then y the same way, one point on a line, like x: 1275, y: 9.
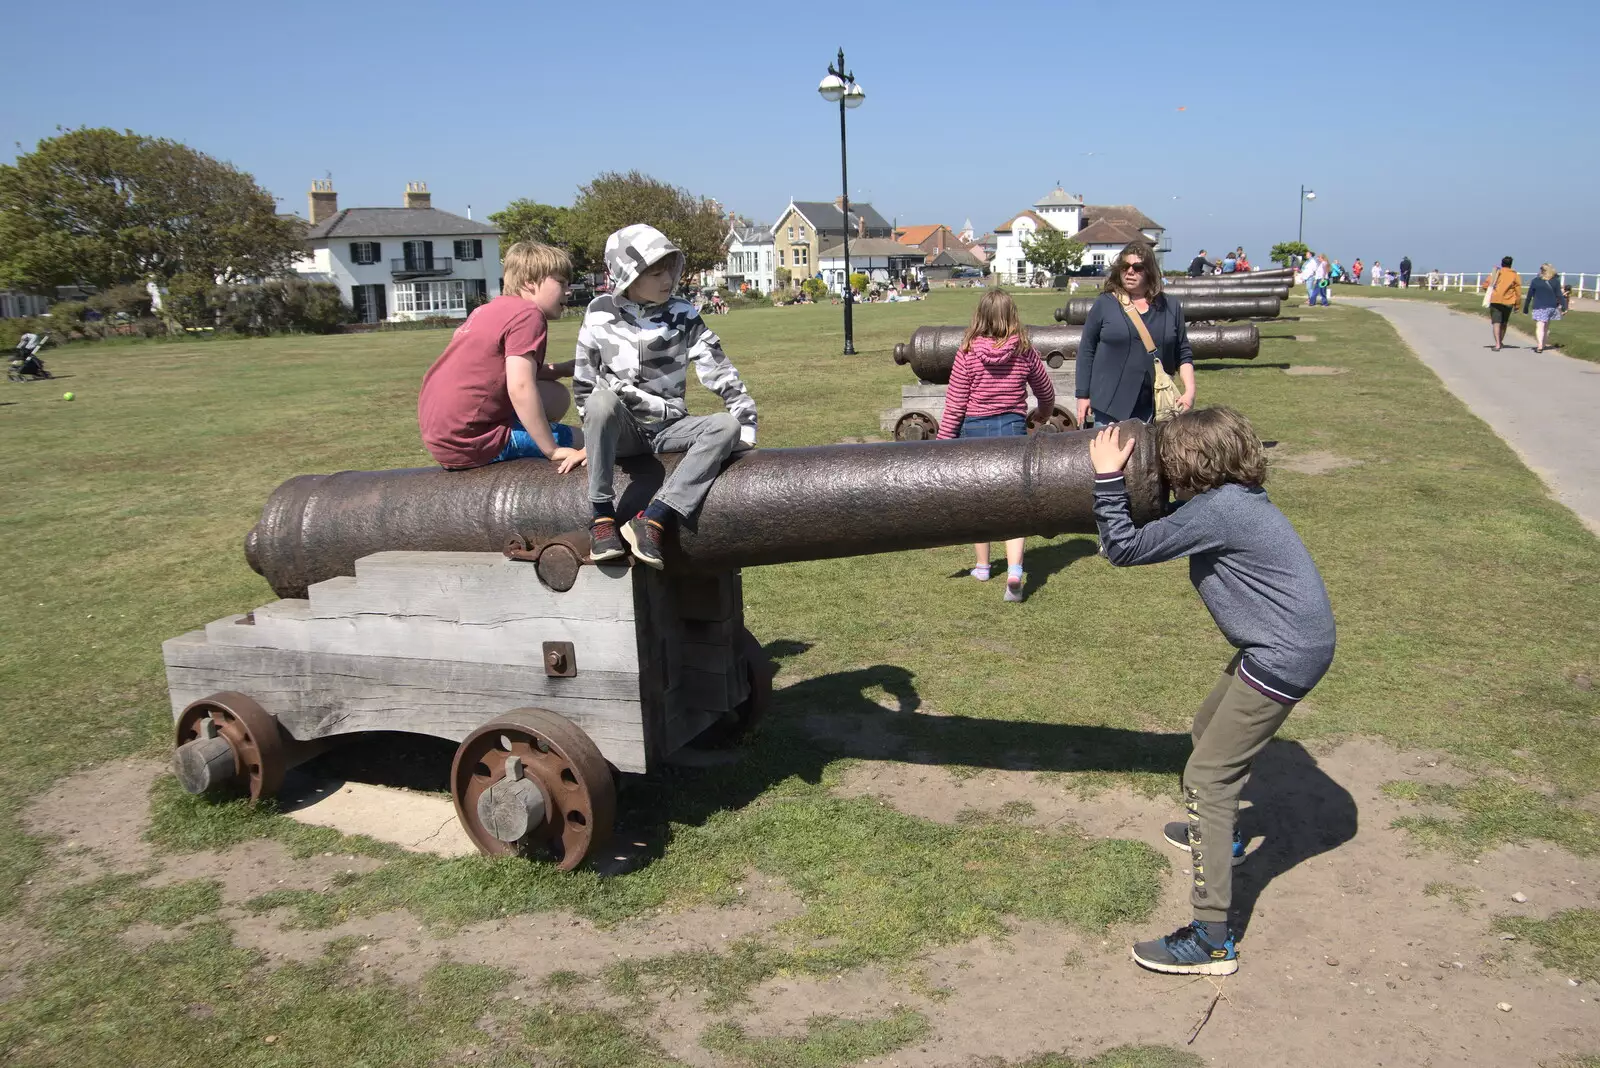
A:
x: 634, y: 350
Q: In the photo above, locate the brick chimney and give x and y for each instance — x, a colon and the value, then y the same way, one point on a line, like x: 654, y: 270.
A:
x: 417, y: 195
x: 861, y: 227
x: 323, y: 201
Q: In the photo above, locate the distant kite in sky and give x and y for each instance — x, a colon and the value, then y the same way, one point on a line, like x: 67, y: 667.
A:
x: 1183, y: 109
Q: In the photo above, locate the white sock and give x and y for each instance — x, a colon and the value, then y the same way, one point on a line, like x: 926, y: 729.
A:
x: 981, y: 573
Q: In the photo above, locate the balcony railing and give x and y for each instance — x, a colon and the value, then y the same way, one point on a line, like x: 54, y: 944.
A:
x: 416, y: 265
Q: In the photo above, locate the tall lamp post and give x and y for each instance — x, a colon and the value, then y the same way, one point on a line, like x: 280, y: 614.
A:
x: 1305, y: 195
x: 840, y: 86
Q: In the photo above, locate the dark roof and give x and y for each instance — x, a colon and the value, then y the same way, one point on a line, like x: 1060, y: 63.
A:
x: 396, y: 222
x: 1125, y: 212
x: 825, y: 215
x: 953, y: 257
x: 1109, y: 232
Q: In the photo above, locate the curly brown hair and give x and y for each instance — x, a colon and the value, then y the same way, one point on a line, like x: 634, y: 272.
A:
x: 1152, y: 270
x: 1210, y: 447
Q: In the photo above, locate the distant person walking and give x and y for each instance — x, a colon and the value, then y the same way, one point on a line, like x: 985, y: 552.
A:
x: 1547, y: 300
x: 1405, y: 272
x: 1199, y: 266
x: 1505, y: 292
x: 1355, y: 270
x: 1314, y: 276
x: 1377, y: 273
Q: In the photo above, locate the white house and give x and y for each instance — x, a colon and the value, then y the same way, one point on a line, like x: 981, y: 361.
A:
x: 1103, y: 228
x: 395, y: 264
x: 750, y: 252
x: 15, y: 304
x: 882, y: 259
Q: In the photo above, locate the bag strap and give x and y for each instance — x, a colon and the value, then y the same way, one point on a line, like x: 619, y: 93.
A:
x: 1138, y: 323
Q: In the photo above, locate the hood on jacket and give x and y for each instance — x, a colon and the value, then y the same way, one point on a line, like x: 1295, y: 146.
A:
x: 996, y: 353
x: 632, y: 250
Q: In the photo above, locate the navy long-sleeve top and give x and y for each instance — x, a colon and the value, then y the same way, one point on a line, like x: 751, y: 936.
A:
x: 1544, y: 293
x: 1114, y: 371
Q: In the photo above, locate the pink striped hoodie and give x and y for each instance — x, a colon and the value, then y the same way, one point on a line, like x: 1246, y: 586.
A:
x: 990, y: 379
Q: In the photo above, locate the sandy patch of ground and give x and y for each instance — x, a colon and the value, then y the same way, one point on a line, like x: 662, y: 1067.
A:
x: 1319, y: 462
x: 1345, y: 957
x: 1314, y: 369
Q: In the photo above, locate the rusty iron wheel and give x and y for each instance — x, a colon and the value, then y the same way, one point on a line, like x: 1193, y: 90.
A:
x: 916, y: 426
x: 260, y: 751
x: 578, y: 794
x: 1057, y: 421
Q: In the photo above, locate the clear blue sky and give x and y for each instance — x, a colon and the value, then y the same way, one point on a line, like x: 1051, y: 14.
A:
x: 1453, y: 132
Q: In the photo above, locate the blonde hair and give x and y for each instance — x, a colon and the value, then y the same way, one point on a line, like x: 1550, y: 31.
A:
x: 1152, y: 270
x: 1547, y: 271
x: 996, y: 317
x: 1210, y: 447
x: 527, y: 263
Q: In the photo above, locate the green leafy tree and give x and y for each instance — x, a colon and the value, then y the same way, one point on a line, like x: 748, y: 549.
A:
x: 782, y: 276
x: 614, y: 200
x: 548, y: 224
x: 859, y: 282
x: 109, y: 208
x: 1285, y: 251
x: 1052, y: 251
x: 814, y: 288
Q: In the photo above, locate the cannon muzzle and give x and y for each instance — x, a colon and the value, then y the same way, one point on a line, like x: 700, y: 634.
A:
x: 1195, y: 309
x: 768, y: 506
x: 931, y: 352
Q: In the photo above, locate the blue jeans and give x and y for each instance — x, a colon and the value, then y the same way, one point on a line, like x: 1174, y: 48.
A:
x: 1004, y: 425
x: 1313, y: 291
x: 520, y: 444
x: 1144, y: 411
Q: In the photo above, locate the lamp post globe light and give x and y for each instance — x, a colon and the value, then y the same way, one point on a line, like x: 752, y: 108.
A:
x: 840, y: 87
x: 1305, y: 195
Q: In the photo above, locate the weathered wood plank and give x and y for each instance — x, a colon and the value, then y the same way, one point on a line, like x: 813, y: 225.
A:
x: 318, y: 694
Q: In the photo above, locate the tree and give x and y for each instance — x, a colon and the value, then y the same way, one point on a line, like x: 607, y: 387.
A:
x: 548, y: 224
x: 613, y: 200
x: 1285, y: 251
x: 1052, y: 251
x: 109, y: 208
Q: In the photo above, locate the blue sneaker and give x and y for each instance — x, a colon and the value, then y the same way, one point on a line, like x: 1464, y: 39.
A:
x: 1186, y: 952
x: 1177, y: 834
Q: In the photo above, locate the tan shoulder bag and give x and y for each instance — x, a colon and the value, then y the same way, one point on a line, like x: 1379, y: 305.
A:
x: 1167, y: 393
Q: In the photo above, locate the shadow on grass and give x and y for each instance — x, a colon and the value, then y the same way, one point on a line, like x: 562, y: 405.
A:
x: 1243, y: 366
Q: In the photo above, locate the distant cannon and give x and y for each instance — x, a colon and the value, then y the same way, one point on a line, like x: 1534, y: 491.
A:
x: 931, y: 352
x: 1204, y: 289
x: 1195, y: 309
x: 461, y: 605
x: 1271, y: 275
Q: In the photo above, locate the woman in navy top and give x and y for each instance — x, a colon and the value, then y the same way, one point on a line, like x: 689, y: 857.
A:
x: 1545, y: 302
x: 1116, y: 376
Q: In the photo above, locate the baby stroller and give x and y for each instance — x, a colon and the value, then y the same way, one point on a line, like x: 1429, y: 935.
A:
x: 25, y: 363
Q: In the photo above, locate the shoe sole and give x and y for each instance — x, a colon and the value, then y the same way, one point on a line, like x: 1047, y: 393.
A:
x: 1210, y: 967
x: 606, y: 554
x: 643, y: 558
x: 1013, y: 594
x: 1238, y: 860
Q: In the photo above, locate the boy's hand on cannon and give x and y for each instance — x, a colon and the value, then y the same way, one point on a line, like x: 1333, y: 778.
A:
x: 566, y: 459
x: 1108, y: 452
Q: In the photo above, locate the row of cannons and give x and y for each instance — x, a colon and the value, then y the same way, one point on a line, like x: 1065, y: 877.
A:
x: 462, y: 605
x: 1221, y: 316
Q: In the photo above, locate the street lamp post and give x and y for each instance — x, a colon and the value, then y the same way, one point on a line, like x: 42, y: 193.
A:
x: 1305, y: 195
x: 840, y: 86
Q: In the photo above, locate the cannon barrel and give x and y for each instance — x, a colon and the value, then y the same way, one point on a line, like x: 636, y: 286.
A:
x: 768, y: 506
x: 1275, y: 274
x: 1188, y: 290
x: 1195, y: 309
x: 931, y: 352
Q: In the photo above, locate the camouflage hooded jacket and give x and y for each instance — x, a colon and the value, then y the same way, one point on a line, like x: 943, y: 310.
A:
x: 641, y: 352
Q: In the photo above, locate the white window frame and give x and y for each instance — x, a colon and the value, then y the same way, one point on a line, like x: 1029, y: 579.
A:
x: 431, y: 298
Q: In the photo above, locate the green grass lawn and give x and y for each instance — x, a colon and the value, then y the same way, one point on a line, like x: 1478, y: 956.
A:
x: 1465, y: 599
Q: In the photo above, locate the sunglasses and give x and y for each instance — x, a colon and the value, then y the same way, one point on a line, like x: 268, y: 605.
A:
x: 1140, y: 267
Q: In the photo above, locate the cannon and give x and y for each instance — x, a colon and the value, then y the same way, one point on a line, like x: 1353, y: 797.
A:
x: 461, y: 605
x: 1195, y: 309
x: 931, y: 352
x: 1274, y: 274
x: 1184, y: 289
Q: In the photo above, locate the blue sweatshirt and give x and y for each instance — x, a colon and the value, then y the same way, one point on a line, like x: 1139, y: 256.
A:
x: 1250, y: 568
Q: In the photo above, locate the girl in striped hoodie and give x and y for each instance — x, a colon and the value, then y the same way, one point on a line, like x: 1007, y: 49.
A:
x: 988, y: 398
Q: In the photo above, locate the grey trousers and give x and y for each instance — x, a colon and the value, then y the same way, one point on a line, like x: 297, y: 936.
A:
x: 1234, y: 724
x: 611, y: 431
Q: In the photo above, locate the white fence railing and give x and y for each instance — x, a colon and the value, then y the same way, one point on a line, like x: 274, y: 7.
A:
x: 1586, y: 284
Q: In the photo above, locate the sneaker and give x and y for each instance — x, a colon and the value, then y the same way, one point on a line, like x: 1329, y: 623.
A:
x: 1013, y: 588
x: 981, y: 574
x: 1186, y: 952
x: 644, y: 538
x: 1177, y: 834
x: 603, y: 541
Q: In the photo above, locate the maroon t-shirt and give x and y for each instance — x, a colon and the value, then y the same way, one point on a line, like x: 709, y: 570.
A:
x: 464, y: 409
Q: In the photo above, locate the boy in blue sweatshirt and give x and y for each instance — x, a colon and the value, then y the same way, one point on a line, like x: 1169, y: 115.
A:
x: 1259, y: 583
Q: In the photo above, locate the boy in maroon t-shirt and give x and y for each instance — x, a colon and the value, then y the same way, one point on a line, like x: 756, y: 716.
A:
x: 482, y: 401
